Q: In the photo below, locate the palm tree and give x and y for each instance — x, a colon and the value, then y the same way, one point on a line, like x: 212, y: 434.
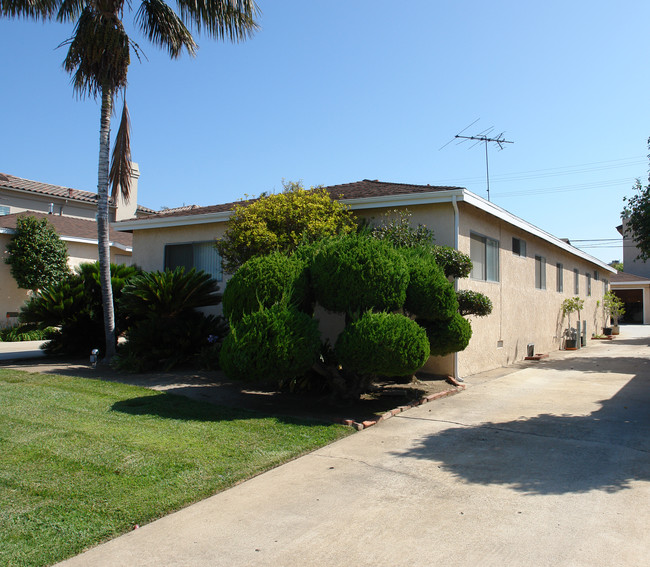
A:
x: 98, y: 58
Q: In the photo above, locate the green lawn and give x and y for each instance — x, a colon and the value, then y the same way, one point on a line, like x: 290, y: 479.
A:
x: 82, y: 461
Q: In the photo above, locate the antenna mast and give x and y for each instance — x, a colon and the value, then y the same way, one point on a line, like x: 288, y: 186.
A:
x: 484, y: 137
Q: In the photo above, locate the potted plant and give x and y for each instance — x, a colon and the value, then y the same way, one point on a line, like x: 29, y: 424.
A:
x: 614, y: 308
x: 571, y: 305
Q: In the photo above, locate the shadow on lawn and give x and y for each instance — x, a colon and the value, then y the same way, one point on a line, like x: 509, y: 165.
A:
x: 179, y: 407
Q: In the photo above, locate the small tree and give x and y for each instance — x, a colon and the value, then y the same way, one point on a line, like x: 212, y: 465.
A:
x: 572, y: 305
x: 36, y: 254
x: 281, y: 223
x: 614, y: 306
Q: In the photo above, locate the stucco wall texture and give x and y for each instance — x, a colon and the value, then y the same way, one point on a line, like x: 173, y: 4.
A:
x: 521, y: 315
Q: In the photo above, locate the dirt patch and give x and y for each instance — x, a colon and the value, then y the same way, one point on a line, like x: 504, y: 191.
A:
x: 216, y: 388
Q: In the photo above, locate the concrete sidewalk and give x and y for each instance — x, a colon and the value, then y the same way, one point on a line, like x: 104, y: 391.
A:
x: 20, y: 350
x: 548, y: 465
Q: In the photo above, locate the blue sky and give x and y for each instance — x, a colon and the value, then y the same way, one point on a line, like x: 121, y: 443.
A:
x: 339, y: 91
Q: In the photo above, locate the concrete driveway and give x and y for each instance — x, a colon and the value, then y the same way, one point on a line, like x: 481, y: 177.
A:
x: 544, y: 466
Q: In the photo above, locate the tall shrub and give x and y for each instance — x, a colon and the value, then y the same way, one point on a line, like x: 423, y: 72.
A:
x: 36, y: 254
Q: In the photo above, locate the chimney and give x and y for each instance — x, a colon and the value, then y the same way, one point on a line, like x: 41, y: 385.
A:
x: 127, y: 210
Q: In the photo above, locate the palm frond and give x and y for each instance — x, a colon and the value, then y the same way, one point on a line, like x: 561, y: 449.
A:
x: 70, y: 9
x: 164, y: 28
x: 98, y: 57
x: 120, y: 174
x: 35, y: 9
x: 223, y: 19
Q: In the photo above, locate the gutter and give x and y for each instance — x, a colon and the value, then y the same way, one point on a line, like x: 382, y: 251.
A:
x: 454, y: 204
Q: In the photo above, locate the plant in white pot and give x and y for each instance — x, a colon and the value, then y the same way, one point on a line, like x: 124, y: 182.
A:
x: 572, y: 305
x: 614, y: 308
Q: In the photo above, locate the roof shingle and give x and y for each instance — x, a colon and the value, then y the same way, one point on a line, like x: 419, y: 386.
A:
x: 345, y: 191
x: 69, y: 226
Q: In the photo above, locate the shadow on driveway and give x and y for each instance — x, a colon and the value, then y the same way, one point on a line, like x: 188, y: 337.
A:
x: 606, y: 450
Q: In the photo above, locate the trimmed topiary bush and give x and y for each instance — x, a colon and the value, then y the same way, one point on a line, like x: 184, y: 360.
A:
x: 446, y: 337
x: 264, y: 281
x: 357, y: 273
x: 277, y: 343
x: 429, y: 294
x: 473, y: 303
x: 455, y: 264
x: 387, y: 344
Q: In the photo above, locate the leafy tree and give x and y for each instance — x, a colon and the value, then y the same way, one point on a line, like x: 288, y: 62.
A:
x: 36, y: 254
x: 98, y: 58
x: 614, y: 306
x: 282, y: 222
x: 617, y: 265
x: 637, y: 214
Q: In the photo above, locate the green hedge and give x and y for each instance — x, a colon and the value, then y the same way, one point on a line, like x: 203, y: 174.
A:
x: 387, y: 344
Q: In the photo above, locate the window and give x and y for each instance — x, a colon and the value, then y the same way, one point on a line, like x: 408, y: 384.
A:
x: 588, y: 284
x: 199, y: 255
x: 596, y: 275
x: 560, y: 277
x: 484, y: 253
x: 576, y: 281
x: 540, y: 272
x: 4, y: 210
x: 519, y: 247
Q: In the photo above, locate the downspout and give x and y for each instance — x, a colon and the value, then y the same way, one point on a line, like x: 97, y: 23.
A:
x: 454, y: 204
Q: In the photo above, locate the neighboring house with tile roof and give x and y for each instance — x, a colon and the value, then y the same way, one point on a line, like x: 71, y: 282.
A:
x: 72, y: 213
x: 18, y: 195
x: 80, y: 237
x: 525, y: 271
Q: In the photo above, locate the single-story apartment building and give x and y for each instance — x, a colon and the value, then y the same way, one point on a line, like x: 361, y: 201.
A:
x: 525, y: 271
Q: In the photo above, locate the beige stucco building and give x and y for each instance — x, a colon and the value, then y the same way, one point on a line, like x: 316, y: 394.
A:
x: 526, y: 272
x: 72, y: 213
x: 633, y: 285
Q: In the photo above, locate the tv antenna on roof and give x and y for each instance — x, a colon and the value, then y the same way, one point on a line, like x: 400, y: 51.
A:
x: 484, y: 137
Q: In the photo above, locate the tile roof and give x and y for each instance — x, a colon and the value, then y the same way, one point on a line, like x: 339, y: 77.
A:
x: 12, y: 182
x: 622, y: 277
x: 345, y: 191
x: 69, y: 226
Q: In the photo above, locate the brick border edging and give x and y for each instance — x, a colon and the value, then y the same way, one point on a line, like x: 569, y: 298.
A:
x: 361, y: 425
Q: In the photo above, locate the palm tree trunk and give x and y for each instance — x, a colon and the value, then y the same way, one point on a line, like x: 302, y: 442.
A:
x: 103, y: 238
